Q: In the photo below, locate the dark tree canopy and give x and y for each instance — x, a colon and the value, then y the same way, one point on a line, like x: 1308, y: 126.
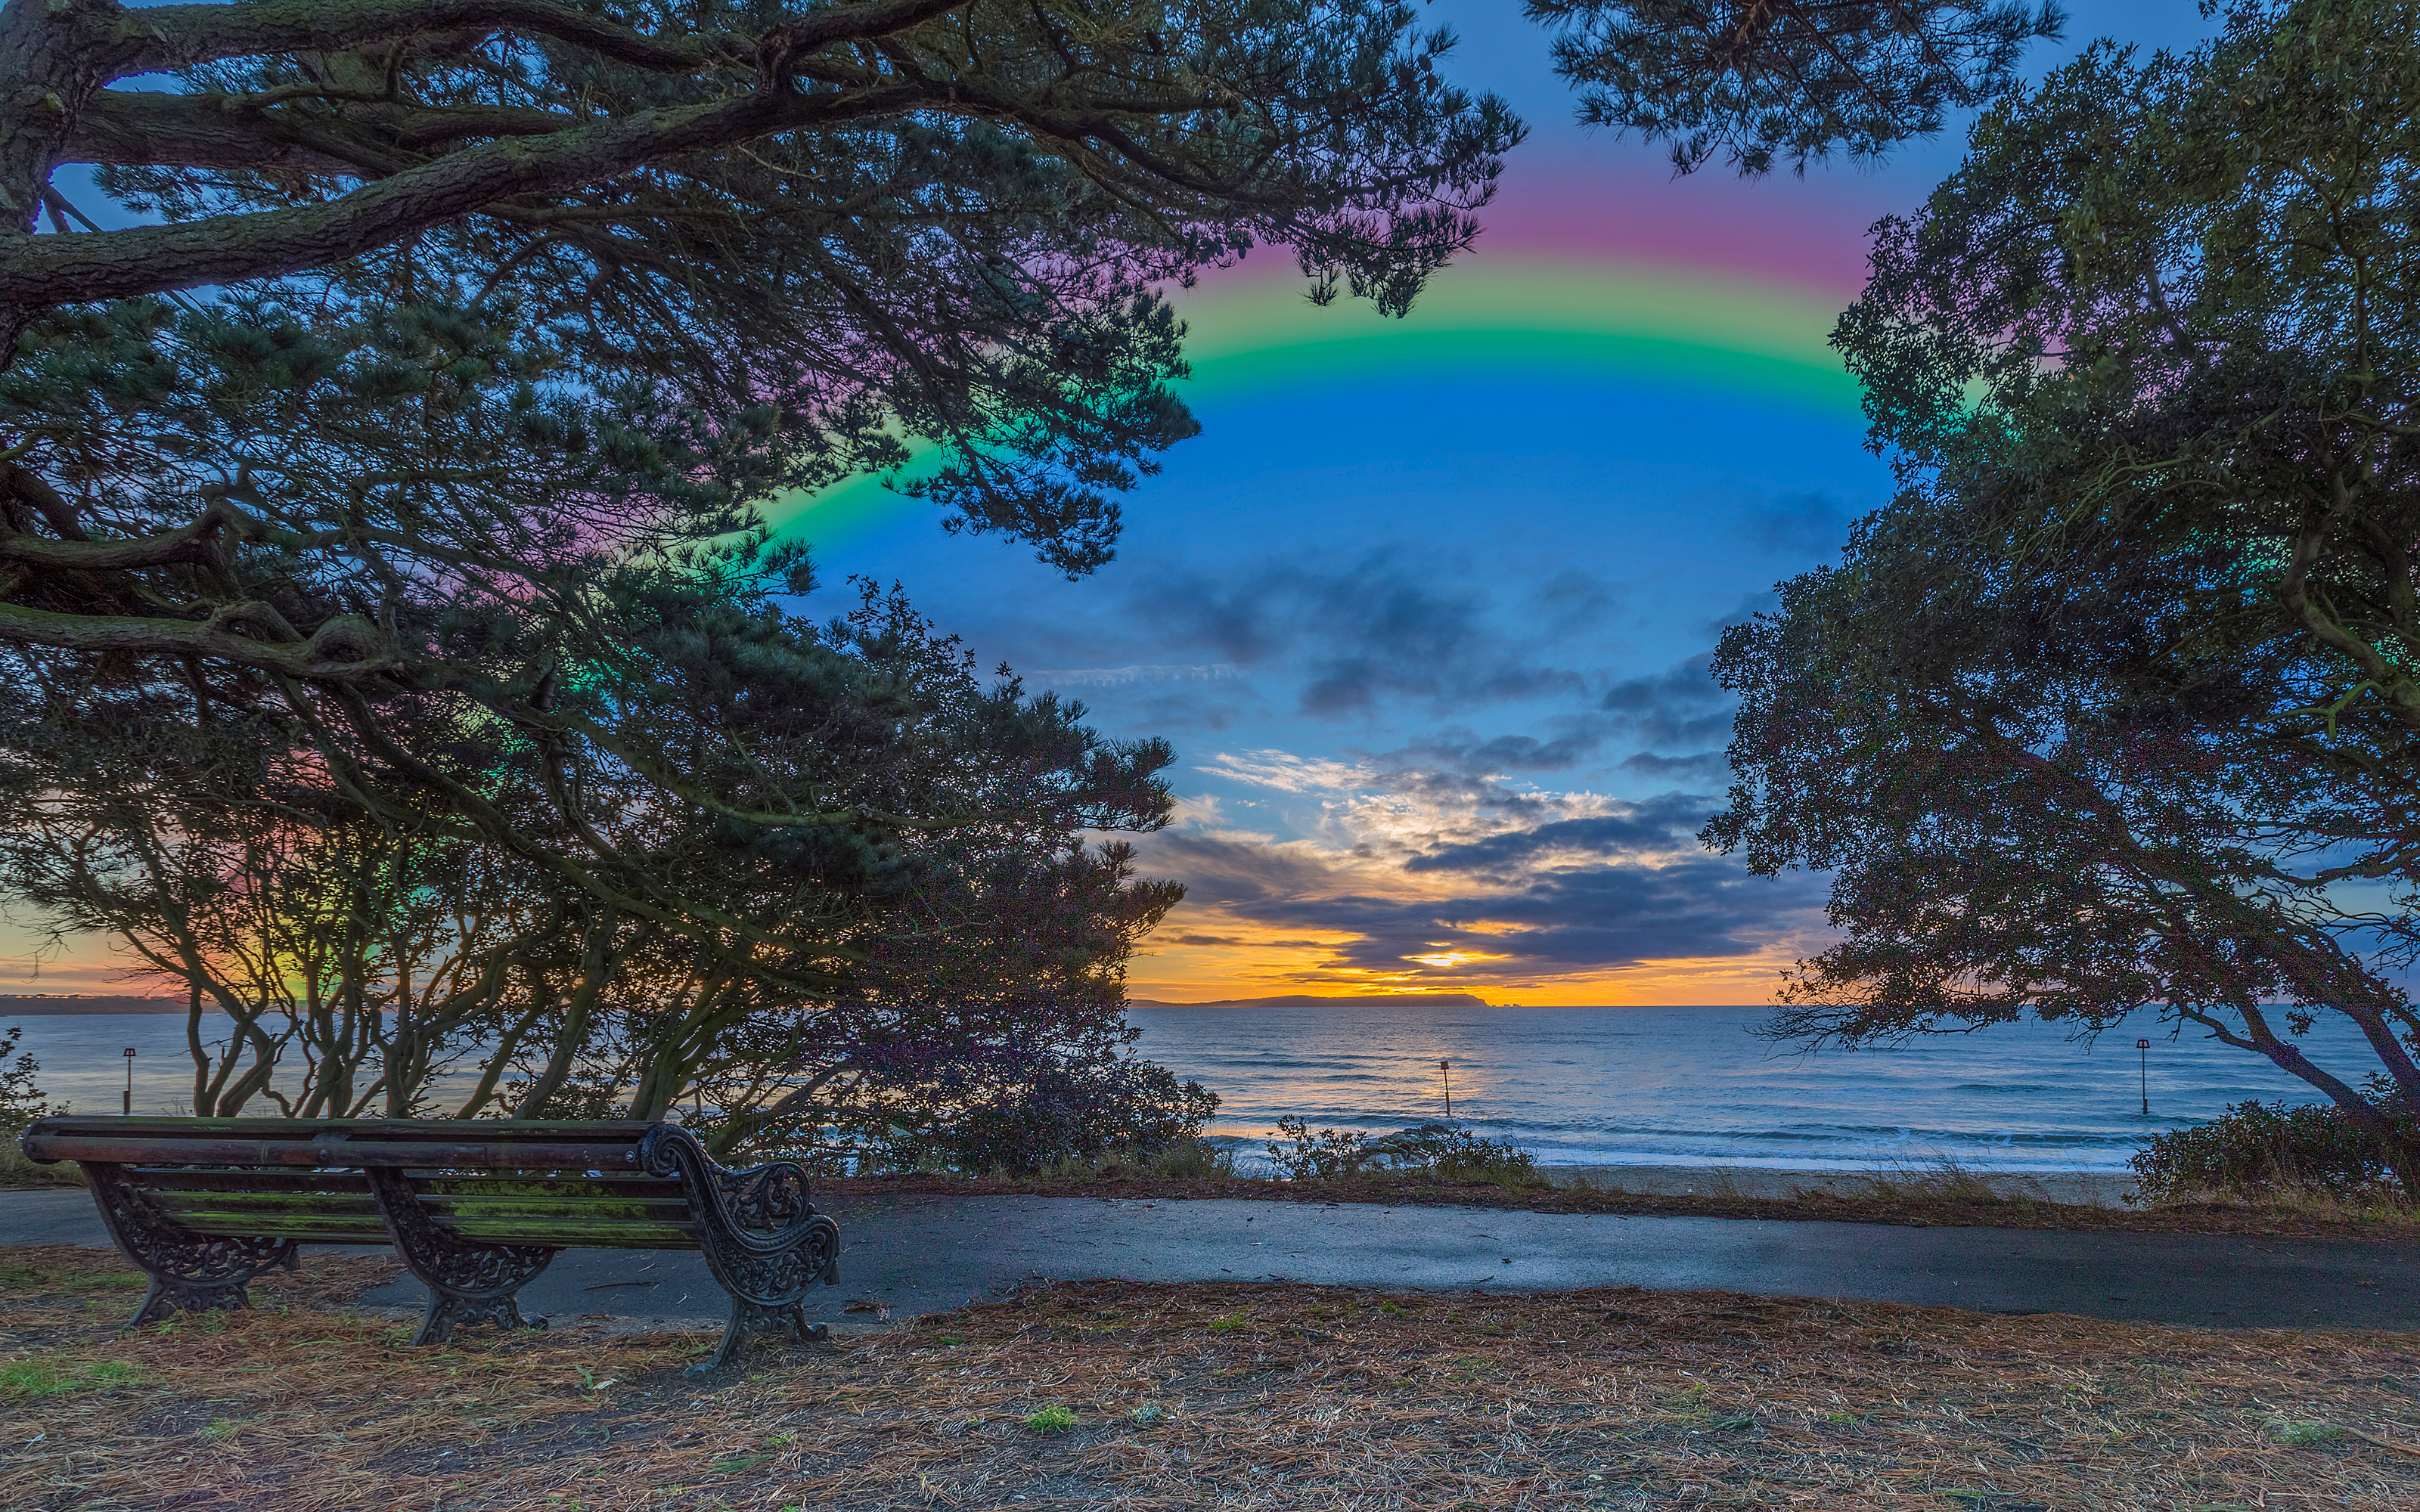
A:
x: 868, y: 225
x: 531, y: 305
x: 2114, y: 707
x: 1760, y: 81
x: 392, y: 650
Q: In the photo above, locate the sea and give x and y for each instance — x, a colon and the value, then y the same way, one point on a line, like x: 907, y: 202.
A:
x: 1577, y: 1085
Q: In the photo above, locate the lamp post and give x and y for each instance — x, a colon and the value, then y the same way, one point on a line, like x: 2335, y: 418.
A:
x: 128, y: 1106
x: 2143, y: 1053
x: 1446, y: 1067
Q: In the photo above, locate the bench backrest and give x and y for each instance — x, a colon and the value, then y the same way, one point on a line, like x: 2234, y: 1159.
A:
x: 490, y: 1181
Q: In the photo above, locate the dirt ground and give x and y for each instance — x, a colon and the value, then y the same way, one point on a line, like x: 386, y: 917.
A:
x: 1130, y: 1395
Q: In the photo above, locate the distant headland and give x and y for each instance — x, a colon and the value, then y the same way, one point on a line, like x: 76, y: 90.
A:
x: 39, y: 1005
x: 1313, y: 1000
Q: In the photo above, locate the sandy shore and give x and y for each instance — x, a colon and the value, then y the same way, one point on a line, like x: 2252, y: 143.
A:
x: 2098, y: 1189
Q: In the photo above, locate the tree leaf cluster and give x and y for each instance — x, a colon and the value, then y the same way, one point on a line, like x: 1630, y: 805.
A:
x: 1765, y: 81
x: 2112, y: 708
x: 579, y: 795
x: 878, y: 230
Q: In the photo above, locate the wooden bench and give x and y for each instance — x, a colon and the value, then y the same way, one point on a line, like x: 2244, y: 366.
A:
x: 475, y: 1208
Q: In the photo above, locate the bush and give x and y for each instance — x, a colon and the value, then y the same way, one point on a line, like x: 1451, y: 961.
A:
x: 20, y: 1101
x: 1052, y: 1113
x: 1453, y: 1153
x: 1308, y: 1157
x: 1186, y: 1160
x: 2266, y: 1149
x: 1446, y: 1151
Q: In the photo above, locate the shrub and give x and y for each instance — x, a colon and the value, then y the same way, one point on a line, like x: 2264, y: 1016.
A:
x: 1306, y: 1156
x: 1453, y: 1153
x: 1047, y: 1112
x: 1184, y: 1160
x: 2263, y: 1149
x: 20, y: 1101
x: 1447, y: 1150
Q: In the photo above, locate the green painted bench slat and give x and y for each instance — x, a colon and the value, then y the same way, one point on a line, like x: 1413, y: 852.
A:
x: 267, y: 1204
x: 572, y: 1236
x: 226, y: 1178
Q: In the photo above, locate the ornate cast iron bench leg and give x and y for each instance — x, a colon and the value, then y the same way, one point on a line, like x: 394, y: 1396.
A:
x: 469, y: 1282
x: 190, y: 1271
x: 763, y: 1239
x: 775, y: 1297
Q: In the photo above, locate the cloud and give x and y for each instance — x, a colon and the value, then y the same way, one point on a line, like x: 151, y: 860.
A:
x: 1708, y: 767
x: 1356, y: 635
x: 1748, y: 607
x: 1128, y: 676
x: 1462, y: 751
x: 1681, y: 706
x: 1657, y: 829
x: 1426, y: 877
x: 1800, y: 524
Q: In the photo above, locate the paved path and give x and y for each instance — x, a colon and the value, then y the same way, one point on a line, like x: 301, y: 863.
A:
x: 929, y: 1253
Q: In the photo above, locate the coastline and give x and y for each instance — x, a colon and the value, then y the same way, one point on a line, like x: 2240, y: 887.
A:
x: 76, y: 1005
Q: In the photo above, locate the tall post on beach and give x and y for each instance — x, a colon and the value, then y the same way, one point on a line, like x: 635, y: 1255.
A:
x: 1446, y: 1067
x: 2143, y: 1051
x: 127, y: 1108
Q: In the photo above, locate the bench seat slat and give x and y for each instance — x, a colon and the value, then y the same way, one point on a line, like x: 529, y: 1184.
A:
x: 332, y: 1229
x: 568, y: 1234
x: 266, y: 1203
x: 155, y: 1179
x: 354, y: 1228
x: 639, y: 1188
x: 306, y: 1154
x: 598, y: 1210
x: 623, y: 1130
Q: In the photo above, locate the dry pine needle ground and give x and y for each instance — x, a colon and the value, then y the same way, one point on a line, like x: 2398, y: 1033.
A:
x: 1119, y: 1395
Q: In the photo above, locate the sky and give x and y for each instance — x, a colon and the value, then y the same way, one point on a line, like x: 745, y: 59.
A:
x: 1426, y: 609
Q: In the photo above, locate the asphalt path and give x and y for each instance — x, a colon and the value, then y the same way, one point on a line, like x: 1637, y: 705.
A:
x: 904, y: 1256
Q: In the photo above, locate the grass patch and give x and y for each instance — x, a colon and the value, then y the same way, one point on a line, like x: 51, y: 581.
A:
x: 1949, y: 1196
x: 23, y: 1380
x: 1612, y: 1398
x: 1051, y: 1419
x: 18, y: 1173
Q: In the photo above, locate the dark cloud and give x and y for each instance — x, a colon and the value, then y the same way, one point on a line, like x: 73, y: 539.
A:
x: 1703, y: 767
x: 1462, y: 751
x: 1748, y: 607
x: 1384, y: 627
x: 1804, y: 524
x: 1656, y: 826
x: 1574, y: 601
x: 1216, y: 870
x: 1681, y: 707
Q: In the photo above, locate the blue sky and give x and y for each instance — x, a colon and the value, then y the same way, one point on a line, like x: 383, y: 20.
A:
x: 1432, y: 646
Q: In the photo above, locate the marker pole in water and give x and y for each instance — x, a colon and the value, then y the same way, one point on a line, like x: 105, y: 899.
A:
x: 127, y: 1107
x: 1446, y: 1067
x: 2143, y: 1051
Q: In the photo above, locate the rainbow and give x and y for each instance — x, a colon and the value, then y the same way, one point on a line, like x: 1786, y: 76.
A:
x: 1509, y: 311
